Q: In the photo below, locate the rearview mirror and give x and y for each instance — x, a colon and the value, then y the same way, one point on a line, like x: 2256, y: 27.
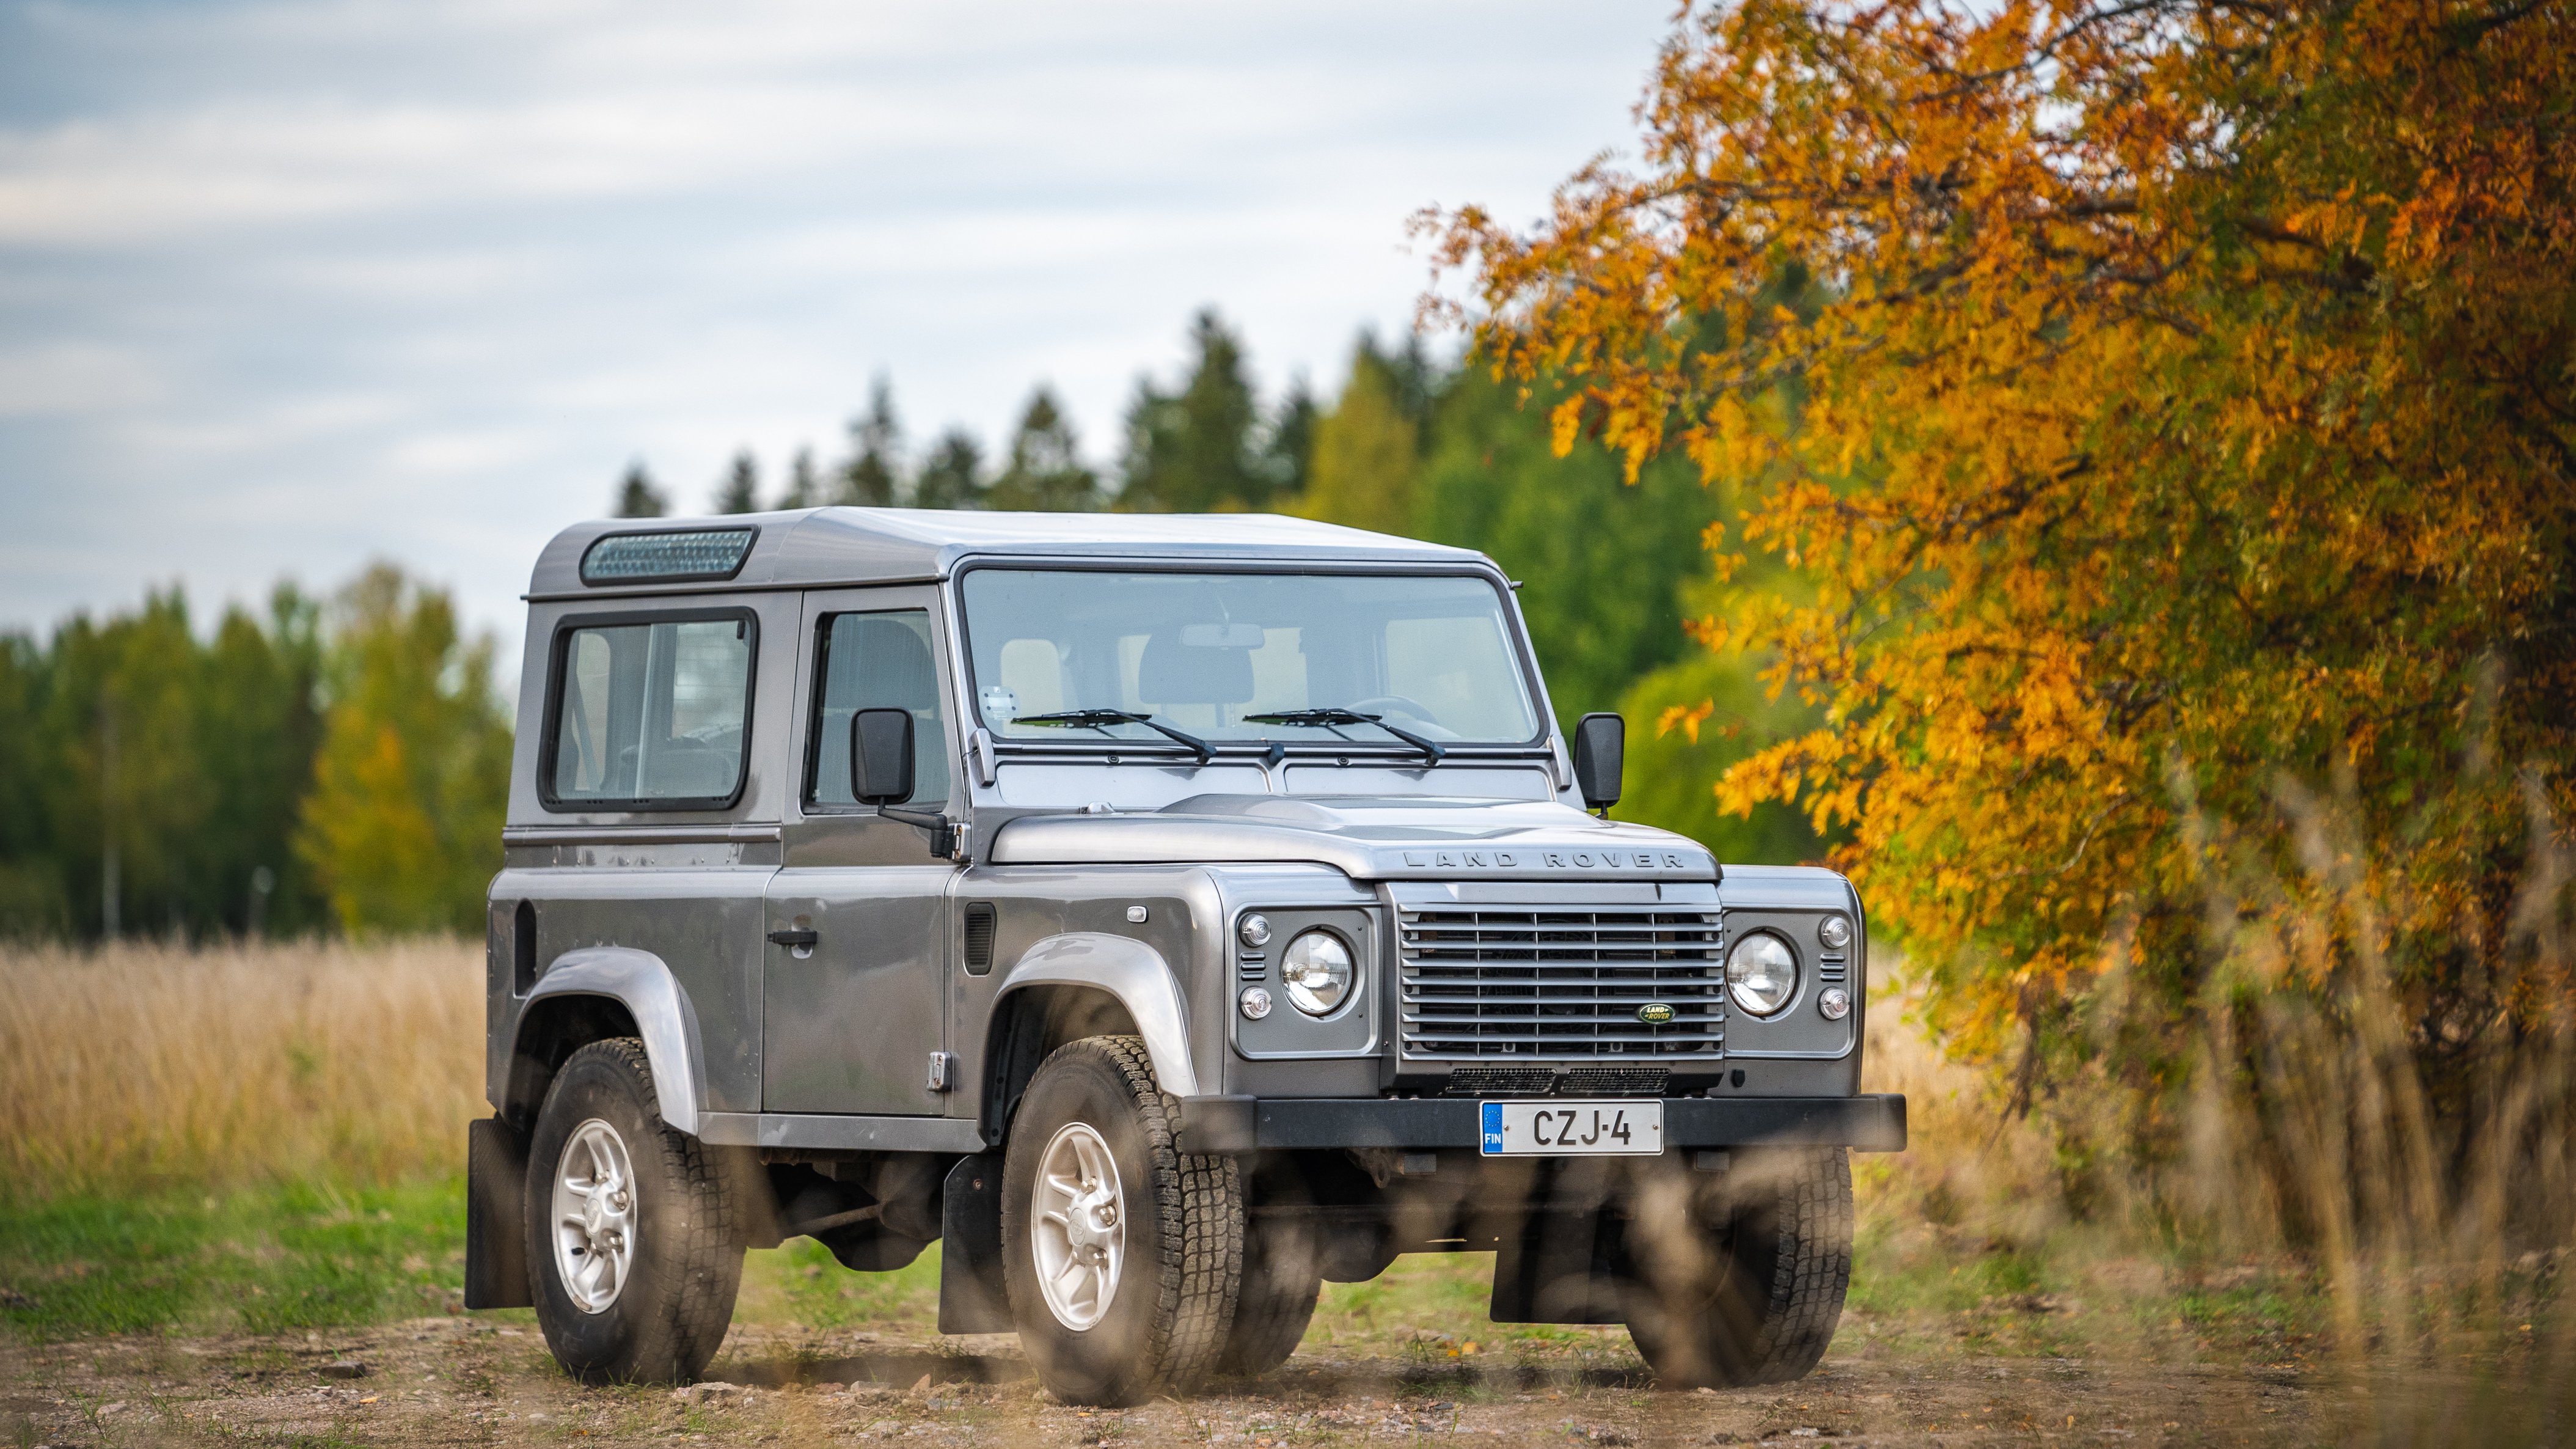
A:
x: 881, y: 756
x: 1221, y: 636
x: 1600, y: 753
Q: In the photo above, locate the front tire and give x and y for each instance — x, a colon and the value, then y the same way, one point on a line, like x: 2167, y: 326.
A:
x: 1741, y: 1281
x: 1121, y: 1253
x: 634, y: 1251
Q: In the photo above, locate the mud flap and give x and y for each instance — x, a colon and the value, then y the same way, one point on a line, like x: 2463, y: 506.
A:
x: 1567, y: 1262
x: 1562, y: 1267
x: 972, y: 1296
x: 496, y: 1186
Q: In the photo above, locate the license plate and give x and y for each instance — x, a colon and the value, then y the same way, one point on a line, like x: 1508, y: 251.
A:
x: 1572, y: 1129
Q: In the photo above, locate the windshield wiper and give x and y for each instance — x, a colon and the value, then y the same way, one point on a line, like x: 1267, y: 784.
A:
x: 1101, y: 719
x: 1336, y: 715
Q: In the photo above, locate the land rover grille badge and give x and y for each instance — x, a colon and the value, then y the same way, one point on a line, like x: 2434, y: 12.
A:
x: 1654, y: 1013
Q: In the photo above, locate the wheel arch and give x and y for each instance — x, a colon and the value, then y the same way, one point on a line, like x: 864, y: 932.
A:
x: 599, y: 992
x: 1078, y: 984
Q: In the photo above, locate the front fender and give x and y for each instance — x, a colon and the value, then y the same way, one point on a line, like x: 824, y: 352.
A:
x: 1133, y: 972
x: 640, y: 982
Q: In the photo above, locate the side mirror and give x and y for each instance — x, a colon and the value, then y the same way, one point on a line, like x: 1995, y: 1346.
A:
x: 881, y: 756
x: 1600, y: 753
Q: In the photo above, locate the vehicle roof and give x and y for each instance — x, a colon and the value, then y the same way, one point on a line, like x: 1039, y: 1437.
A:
x: 828, y: 546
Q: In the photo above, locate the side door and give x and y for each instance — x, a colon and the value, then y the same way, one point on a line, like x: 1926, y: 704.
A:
x: 852, y: 1020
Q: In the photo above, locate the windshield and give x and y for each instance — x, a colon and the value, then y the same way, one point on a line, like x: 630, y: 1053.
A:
x: 1211, y: 653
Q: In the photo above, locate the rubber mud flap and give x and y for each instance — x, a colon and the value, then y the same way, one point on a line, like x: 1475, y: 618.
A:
x: 496, y: 1181
x: 972, y: 1296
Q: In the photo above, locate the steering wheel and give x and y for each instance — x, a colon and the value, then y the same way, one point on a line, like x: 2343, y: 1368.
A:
x: 1396, y: 704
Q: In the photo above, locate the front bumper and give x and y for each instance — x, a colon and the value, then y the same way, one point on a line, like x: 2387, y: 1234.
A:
x: 1870, y: 1122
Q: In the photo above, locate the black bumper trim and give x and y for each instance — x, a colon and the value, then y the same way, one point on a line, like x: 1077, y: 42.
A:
x: 1871, y: 1122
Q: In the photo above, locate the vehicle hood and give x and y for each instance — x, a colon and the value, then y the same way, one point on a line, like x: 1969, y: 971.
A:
x: 1366, y: 837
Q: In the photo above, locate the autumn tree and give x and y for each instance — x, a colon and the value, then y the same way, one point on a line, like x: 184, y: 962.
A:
x: 2183, y: 424
x: 403, y: 820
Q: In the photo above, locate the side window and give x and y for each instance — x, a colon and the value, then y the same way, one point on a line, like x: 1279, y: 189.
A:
x: 876, y: 661
x: 651, y: 713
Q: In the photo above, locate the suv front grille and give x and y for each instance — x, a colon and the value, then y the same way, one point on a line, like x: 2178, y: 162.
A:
x: 1559, y: 981
x: 1542, y: 1081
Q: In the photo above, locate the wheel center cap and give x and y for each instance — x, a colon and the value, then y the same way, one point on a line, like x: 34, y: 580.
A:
x: 1094, y: 1216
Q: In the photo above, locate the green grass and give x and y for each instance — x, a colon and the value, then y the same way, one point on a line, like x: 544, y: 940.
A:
x: 288, y: 1257
x: 800, y: 1283
x: 302, y: 1257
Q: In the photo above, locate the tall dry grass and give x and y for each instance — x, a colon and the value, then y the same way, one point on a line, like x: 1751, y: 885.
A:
x: 137, y: 1067
x: 2410, y: 1219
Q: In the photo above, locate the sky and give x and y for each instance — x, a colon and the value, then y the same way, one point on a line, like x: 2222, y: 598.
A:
x: 286, y: 287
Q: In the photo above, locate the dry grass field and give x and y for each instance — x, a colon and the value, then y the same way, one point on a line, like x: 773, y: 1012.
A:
x: 150, y: 1067
x: 228, y: 1168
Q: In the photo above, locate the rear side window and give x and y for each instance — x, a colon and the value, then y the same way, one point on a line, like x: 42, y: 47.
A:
x: 651, y: 714
x: 877, y: 661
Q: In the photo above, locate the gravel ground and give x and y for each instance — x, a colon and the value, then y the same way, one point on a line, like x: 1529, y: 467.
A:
x: 455, y: 1381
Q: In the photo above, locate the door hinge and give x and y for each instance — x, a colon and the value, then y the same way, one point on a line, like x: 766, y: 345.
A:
x: 938, y: 1072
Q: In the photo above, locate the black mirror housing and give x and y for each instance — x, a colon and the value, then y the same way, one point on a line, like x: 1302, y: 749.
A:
x: 881, y: 756
x: 1600, y: 754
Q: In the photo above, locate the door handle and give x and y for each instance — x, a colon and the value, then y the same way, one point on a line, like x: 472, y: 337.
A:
x: 797, y: 937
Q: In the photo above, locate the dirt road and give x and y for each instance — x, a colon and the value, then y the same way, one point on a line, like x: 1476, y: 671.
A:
x: 450, y: 1381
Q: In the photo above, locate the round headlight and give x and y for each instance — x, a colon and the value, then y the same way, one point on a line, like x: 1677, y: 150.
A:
x: 1317, y: 968
x: 1761, y: 973
x: 1835, y: 932
x: 1255, y: 931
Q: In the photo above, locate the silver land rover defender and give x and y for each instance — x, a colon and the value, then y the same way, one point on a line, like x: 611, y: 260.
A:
x: 1164, y: 914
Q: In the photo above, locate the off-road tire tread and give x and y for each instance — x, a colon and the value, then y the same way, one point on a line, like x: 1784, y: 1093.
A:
x: 1196, y: 1282
x: 1812, y: 1272
x: 1271, y: 1311
x: 1198, y: 1202
x: 681, y: 1333
x: 1737, y: 1343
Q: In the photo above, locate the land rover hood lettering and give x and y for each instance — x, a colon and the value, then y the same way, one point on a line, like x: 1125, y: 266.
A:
x: 1367, y: 838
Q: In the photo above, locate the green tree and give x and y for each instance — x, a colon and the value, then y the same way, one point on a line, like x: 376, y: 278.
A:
x: 403, y: 823
x: 637, y: 497
x: 1367, y: 451
x: 129, y: 802
x: 259, y: 724
x: 953, y: 475
x: 1603, y: 562
x: 1194, y: 450
x: 34, y: 900
x: 740, y: 491
x: 804, y: 488
x: 873, y: 478
x: 1045, y: 471
x: 1288, y: 443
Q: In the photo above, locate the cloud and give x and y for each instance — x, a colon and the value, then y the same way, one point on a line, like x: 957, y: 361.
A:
x: 286, y: 285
